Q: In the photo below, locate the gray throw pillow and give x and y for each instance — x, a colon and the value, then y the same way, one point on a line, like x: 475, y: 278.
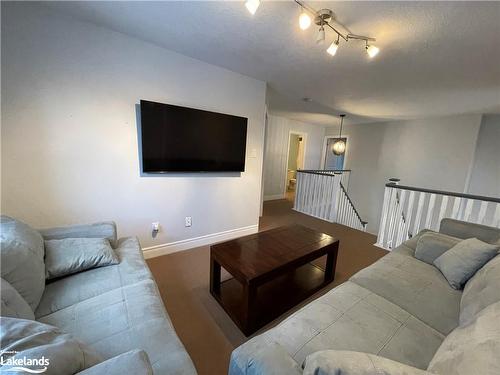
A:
x: 432, y: 245
x: 464, y: 259
x: 60, y: 353
x: 471, y: 349
x: 22, y: 259
x: 72, y: 255
x: 13, y: 305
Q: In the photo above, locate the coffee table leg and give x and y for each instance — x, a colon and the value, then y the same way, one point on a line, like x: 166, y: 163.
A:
x: 214, y: 276
x: 331, y: 262
x: 249, y: 302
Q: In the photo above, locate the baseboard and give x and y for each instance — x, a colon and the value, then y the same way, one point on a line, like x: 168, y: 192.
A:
x: 273, y: 197
x: 173, y: 247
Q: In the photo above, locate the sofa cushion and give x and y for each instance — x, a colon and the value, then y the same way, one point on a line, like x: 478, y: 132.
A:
x: 106, y: 229
x: 272, y: 360
x: 13, y: 305
x: 481, y: 290
x: 416, y: 287
x: 134, y: 362
x: 348, y: 317
x: 343, y: 362
x: 70, y: 290
x: 34, y: 340
x: 464, y: 259
x: 22, y: 262
x: 464, y: 230
x: 123, y: 319
x: 71, y: 255
x: 473, y: 348
x: 432, y: 245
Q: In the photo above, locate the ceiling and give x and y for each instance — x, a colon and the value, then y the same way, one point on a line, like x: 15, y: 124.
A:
x: 436, y: 58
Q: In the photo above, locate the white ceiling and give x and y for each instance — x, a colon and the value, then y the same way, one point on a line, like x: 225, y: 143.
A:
x: 437, y: 58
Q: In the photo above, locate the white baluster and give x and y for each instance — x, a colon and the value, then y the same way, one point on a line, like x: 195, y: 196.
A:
x: 496, y: 216
x: 456, y: 207
x: 383, y: 218
x: 468, y: 209
x: 409, y: 215
x: 418, y: 216
x: 430, y: 212
x: 442, y: 210
x: 482, y: 212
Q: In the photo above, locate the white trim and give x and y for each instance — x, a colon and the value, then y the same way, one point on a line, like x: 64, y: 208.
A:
x: 173, y: 247
x: 273, y: 197
x: 304, y: 138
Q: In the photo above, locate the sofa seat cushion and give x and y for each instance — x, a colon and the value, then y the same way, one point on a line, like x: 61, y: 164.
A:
x: 75, y: 288
x: 415, y: 286
x: 473, y: 348
x: 22, y: 259
x: 348, y: 317
x: 481, y: 290
x: 123, y: 319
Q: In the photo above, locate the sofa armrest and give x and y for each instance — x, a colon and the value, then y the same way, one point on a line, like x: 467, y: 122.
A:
x: 97, y: 230
x: 356, y: 363
x: 133, y: 362
x: 272, y: 360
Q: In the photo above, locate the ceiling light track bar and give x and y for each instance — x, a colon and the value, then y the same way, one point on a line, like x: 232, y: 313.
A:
x: 315, y: 13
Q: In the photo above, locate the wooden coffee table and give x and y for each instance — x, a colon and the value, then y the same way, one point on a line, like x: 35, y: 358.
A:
x: 271, y: 273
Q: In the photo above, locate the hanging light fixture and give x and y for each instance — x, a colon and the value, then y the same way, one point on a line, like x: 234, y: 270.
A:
x: 338, y: 147
x: 332, y: 50
x: 252, y: 5
x: 371, y: 50
x: 320, y: 39
x: 304, y: 20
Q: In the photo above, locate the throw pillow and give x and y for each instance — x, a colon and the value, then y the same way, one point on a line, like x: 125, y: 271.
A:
x: 45, y: 346
x: 432, y: 245
x: 22, y: 259
x: 464, y: 259
x: 471, y: 349
x: 13, y: 305
x: 71, y: 255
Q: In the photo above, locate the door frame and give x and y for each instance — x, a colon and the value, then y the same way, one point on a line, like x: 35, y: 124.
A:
x: 325, y: 143
x: 304, y: 139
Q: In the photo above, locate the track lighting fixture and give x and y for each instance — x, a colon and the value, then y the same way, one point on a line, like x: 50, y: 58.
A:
x: 320, y: 39
x: 323, y: 18
x: 371, y: 50
x: 252, y: 5
x: 332, y: 50
x: 304, y: 20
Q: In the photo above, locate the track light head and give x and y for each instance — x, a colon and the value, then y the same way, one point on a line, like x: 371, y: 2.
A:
x: 252, y: 6
x: 304, y: 20
x: 372, y: 51
x: 332, y: 50
x: 320, y: 39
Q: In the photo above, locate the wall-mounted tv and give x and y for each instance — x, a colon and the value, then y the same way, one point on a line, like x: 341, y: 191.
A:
x: 180, y: 139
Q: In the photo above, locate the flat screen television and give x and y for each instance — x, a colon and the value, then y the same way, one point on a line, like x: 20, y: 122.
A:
x: 180, y: 139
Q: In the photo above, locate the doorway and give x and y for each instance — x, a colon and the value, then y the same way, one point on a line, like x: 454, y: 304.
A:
x: 295, y: 161
x: 330, y: 160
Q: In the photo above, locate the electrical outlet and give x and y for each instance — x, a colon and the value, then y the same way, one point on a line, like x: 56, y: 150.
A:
x: 188, y: 221
x: 155, y: 226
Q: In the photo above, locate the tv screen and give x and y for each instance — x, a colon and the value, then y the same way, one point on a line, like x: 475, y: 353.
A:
x: 180, y: 139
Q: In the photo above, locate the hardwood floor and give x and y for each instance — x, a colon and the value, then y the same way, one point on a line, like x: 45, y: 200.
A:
x: 205, y: 329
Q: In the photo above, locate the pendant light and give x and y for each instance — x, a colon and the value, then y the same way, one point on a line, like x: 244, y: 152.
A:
x: 338, y: 147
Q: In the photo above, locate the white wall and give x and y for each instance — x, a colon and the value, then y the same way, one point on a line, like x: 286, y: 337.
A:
x: 275, y: 163
x: 434, y: 153
x: 485, y: 174
x: 69, y: 135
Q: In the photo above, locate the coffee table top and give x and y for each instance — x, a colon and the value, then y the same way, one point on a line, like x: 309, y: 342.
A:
x: 257, y: 255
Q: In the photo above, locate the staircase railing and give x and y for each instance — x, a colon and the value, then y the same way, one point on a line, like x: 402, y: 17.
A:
x: 322, y: 194
x: 407, y: 209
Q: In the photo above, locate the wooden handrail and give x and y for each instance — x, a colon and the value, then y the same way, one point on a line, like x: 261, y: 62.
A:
x: 441, y: 192
x: 352, y: 205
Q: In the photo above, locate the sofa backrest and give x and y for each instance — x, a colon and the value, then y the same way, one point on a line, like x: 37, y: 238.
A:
x: 464, y: 229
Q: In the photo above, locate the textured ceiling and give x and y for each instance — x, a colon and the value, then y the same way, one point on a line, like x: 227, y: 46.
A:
x: 437, y: 58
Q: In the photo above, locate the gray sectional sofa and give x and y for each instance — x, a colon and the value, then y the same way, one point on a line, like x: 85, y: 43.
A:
x: 397, y: 316
x: 114, y: 310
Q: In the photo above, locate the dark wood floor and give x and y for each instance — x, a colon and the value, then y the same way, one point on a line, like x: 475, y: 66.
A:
x: 207, y: 332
